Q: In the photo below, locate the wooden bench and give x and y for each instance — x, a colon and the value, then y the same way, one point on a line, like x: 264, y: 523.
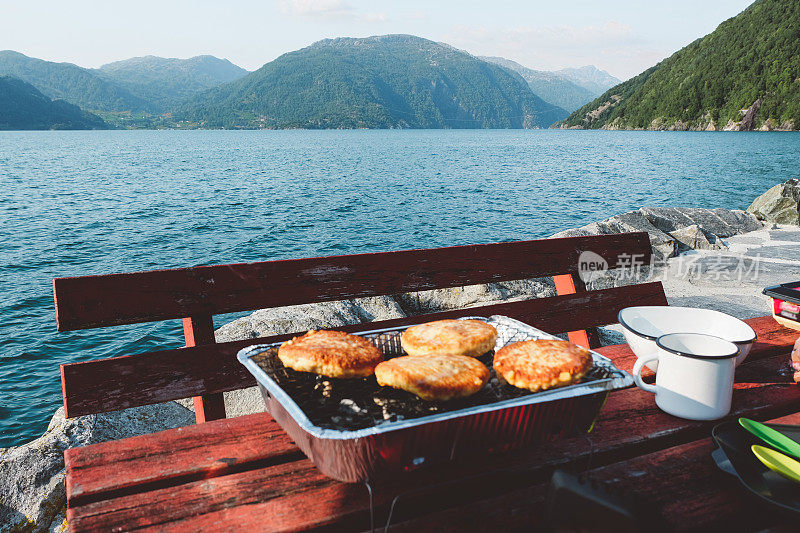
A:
x: 205, y: 369
x: 246, y: 474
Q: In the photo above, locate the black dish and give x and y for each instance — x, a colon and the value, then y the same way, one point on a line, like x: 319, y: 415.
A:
x: 735, y: 457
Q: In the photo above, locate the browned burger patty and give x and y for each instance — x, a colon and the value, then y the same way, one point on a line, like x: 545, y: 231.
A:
x: 331, y: 353
x: 449, y: 337
x: 434, y: 377
x: 542, y: 364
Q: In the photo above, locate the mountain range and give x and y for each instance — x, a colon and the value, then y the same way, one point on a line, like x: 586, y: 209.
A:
x: 382, y: 81
x: 391, y: 81
x: 745, y: 75
x: 146, y: 85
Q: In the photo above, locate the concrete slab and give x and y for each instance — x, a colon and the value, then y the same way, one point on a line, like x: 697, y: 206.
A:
x: 731, y: 281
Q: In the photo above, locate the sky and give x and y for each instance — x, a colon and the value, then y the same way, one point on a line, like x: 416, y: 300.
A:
x: 623, y: 37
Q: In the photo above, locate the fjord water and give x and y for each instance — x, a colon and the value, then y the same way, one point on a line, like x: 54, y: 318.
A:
x: 78, y: 203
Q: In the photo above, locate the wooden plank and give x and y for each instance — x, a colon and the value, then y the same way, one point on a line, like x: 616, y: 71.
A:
x: 168, y: 458
x: 571, y: 284
x: 159, y: 508
x: 199, y: 331
x: 108, y: 300
x: 128, y: 381
x: 630, y: 425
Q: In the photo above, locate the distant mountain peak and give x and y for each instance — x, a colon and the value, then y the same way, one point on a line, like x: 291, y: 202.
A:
x: 591, y: 77
x: 553, y: 87
x: 166, y: 81
x: 380, y: 81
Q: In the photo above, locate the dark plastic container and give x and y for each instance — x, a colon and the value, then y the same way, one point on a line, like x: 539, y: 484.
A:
x: 786, y: 303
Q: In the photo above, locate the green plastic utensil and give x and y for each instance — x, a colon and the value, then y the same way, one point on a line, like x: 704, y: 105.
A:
x: 771, y: 437
x: 778, y: 462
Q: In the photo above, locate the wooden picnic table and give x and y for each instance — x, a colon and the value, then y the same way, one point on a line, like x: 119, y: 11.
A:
x: 246, y: 474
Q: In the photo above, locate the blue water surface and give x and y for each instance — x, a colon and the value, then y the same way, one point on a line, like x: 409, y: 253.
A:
x: 77, y: 203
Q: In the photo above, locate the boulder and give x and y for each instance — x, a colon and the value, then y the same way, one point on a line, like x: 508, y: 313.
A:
x: 663, y: 244
x: 610, y: 335
x: 779, y: 204
x: 667, y: 219
x: 415, y: 303
x: 710, y: 221
x: 740, y: 221
x: 718, y: 222
x: 32, y: 477
x: 672, y: 230
x: 695, y: 238
x: 299, y: 318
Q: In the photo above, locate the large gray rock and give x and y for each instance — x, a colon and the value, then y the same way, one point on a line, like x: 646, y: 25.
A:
x: 673, y: 229
x: 694, y: 238
x: 719, y: 222
x: 415, y: 303
x: 667, y: 219
x: 663, y: 244
x: 740, y: 221
x: 710, y: 221
x: 299, y: 318
x: 32, y: 478
x: 780, y: 204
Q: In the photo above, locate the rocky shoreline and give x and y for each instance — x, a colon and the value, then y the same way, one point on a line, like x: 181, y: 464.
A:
x: 749, y: 121
x: 32, y: 489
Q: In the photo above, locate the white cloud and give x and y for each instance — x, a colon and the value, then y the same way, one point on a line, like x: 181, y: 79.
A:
x: 612, y: 46
x: 328, y: 8
x: 315, y: 7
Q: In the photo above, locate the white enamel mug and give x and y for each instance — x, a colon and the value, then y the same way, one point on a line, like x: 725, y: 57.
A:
x: 694, y: 379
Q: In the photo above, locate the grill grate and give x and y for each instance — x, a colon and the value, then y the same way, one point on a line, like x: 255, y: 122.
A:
x: 354, y: 404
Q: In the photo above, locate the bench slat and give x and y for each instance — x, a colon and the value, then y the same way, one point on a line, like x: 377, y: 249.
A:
x: 199, y: 330
x: 175, y: 456
x: 154, y: 377
x: 108, y: 300
x: 630, y: 425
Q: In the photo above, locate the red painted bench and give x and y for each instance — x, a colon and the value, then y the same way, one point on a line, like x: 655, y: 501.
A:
x: 246, y: 474
x: 205, y: 369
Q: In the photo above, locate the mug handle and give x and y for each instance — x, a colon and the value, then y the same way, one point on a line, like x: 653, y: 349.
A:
x: 637, y: 373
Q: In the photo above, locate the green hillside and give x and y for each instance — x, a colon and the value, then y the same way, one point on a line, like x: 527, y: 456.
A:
x: 750, y: 62
x: 549, y: 86
x: 393, y: 81
x: 65, y: 81
x: 22, y: 107
x: 166, y: 81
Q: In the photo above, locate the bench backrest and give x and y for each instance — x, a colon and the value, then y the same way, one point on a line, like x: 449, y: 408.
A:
x: 205, y: 369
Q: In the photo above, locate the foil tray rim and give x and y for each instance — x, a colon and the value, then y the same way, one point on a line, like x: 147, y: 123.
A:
x: 619, y: 380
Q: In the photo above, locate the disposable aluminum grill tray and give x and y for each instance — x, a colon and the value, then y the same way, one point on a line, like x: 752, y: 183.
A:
x: 355, y: 430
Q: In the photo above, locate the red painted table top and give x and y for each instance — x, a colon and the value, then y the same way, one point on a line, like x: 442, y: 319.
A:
x: 246, y: 474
